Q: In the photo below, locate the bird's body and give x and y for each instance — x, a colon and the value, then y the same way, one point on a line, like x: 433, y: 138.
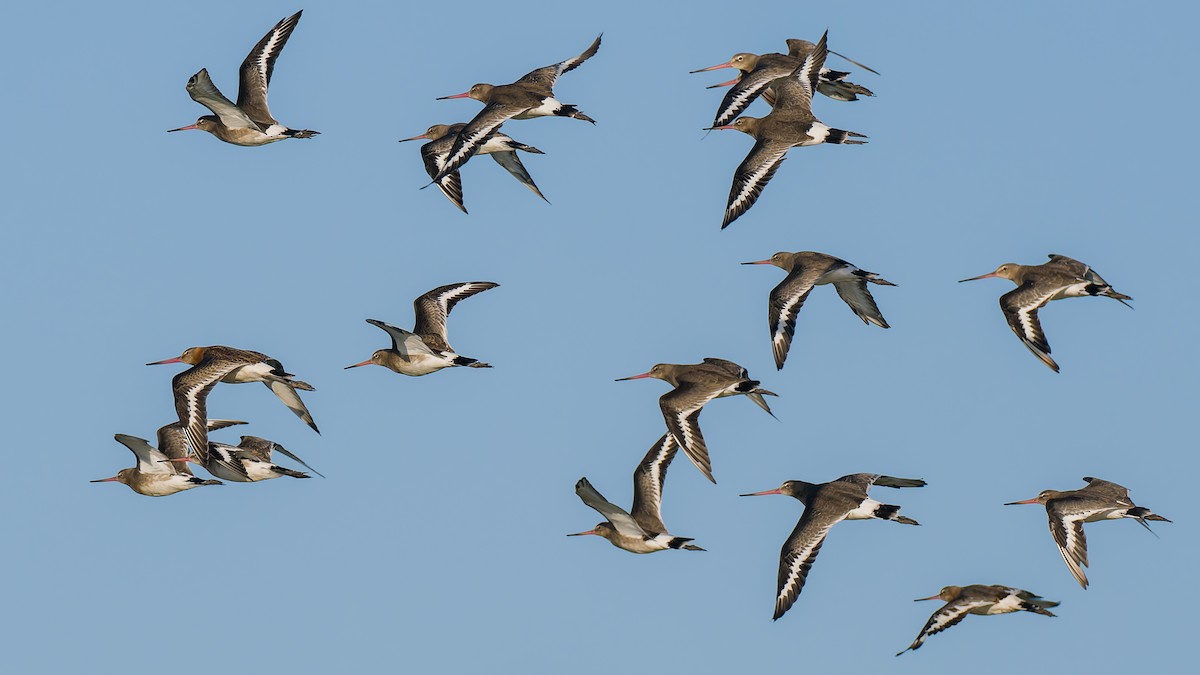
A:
x: 218, y: 363
x: 1069, y: 510
x: 978, y: 599
x: 641, y: 530
x: 529, y: 97
x: 502, y: 148
x: 759, y: 73
x: 790, y: 124
x: 426, y: 349
x: 249, y: 461
x: 695, y: 385
x: 806, y: 270
x: 249, y: 122
x: 825, y: 505
x: 1061, y: 277
x: 155, y: 474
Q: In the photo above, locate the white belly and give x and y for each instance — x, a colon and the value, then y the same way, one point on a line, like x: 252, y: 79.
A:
x: 864, y: 511
x: 1010, y: 603
x: 163, y: 485
x: 549, y: 106
x: 255, y: 372
x: 816, y: 135
x: 420, y: 364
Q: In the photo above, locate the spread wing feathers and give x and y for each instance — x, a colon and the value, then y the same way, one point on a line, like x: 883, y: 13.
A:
x: 728, y: 367
x: 1075, y: 267
x: 1118, y: 493
x: 681, y: 409
x: 476, y: 133
x: 786, y: 300
x: 1067, y: 529
x: 432, y: 308
x: 866, y: 480
x: 1020, y: 308
x: 892, y: 482
x: 748, y: 87
x: 282, y: 450
x: 173, y: 441
x: 191, y: 388
x: 434, y: 154
x: 622, y: 521
x: 648, y: 479
x: 546, y: 77
x: 403, y: 341
x: 854, y: 292
x: 229, y: 457
x: 149, y: 460
x: 256, y: 447
x: 513, y: 165
x: 202, y: 90
x: 793, y: 95
x: 751, y: 176
x: 257, y: 68
x: 944, y: 618
x: 797, y: 556
x: 286, y: 391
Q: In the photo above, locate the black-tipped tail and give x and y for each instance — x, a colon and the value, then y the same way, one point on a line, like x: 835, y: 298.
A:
x: 682, y: 542
x: 469, y: 362
x: 571, y: 111
x: 892, y: 512
x: 301, y: 133
x: 843, y: 137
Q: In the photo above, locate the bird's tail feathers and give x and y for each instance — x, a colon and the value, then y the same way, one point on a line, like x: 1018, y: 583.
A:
x: 843, y: 137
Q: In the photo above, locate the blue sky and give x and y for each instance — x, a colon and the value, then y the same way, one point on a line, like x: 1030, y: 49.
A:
x: 1000, y: 133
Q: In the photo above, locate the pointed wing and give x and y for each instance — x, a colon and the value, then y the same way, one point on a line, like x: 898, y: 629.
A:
x: 681, y: 409
x: 944, y: 618
x: 255, y: 447
x: 286, y: 391
x: 648, y: 479
x: 622, y: 521
x: 257, y: 68
x: 432, y: 308
x: 854, y: 292
x: 202, y: 90
x: 403, y: 341
x: 229, y: 457
x: 1066, y: 525
x: 750, y: 85
x: 265, y: 447
x: 1072, y: 266
x: 728, y: 367
x: 751, y: 176
x: 149, y: 460
x: 433, y: 155
x: 798, y: 554
x: 786, y: 300
x: 173, y: 442
x: 548, y: 76
x: 793, y: 95
x: 476, y: 133
x: 191, y: 388
x: 1113, y: 491
x: 889, y: 481
x: 513, y: 165
x: 1020, y: 308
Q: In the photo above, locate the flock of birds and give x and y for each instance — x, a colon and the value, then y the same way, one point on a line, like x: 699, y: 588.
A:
x: 787, y: 82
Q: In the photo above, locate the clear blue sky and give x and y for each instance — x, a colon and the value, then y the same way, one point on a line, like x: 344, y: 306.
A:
x: 1001, y: 132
